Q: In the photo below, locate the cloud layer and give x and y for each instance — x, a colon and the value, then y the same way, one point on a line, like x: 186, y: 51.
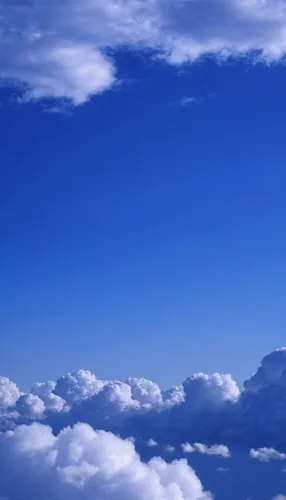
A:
x: 82, y: 463
x: 63, y: 48
x: 204, y: 409
x: 49, y: 454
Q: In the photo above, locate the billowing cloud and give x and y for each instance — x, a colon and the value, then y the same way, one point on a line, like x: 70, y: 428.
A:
x: 45, y: 391
x: 205, y: 409
x: 62, y: 49
x: 204, y: 390
x: 215, y: 450
x: 9, y: 393
x: 30, y: 406
x: 271, y: 372
x: 82, y: 463
x: 267, y: 454
x: 77, y: 386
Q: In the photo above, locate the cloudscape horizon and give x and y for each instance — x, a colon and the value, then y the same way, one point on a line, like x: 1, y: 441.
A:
x: 142, y: 251
x: 93, y: 436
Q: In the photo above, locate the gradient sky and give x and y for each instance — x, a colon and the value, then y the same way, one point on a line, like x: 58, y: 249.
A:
x: 141, y: 236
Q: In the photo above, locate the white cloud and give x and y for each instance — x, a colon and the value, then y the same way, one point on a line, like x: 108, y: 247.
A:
x: 77, y: 386
x: 204, y: 409
x: 59, y: 48
x: 144, y: 391
x: 51, y: 401
x: 169, y: 449
x: 215, y: 450
x: 82, y: 463
x: 151, y: 443
x: 9, y: 393
x: 188, y: 448
x: 30, y: 406
x: 184, y: 101
x: 267, y: 454
x: 204, y: 390
x: 271, y: 372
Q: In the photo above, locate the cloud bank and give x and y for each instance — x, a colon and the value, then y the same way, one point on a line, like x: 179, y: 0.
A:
x: 65, y: 48
x: 82, y: 463
x: 207, y: 409
x: 78, y: 436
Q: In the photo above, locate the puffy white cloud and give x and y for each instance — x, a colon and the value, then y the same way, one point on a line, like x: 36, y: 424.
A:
x: 215, y: 450
x: 51, y: 401
x: 59, y: 48
x: 203, y: 391
x: 267, y: 454
x: 9, y: 393
x: 174, y: 396
x: 188, y: 448
x: 30, y: 406
x: 205, y: 409
x: 77, y: 386
x: 144, y: 391
x: 82, y: 463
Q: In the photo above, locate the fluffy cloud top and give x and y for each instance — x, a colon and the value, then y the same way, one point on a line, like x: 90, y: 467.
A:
x: 204, y: 409
x: 9, y: 393
x: 82, y: 463
x: 77, y: 386
x: 59, y: 49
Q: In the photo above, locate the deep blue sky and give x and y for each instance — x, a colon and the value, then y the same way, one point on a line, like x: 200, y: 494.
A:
x: 140, y: 237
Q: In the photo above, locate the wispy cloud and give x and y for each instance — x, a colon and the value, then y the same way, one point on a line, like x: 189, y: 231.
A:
x: 61, y: 49
x: 185, y: 101
x: 215, y: 450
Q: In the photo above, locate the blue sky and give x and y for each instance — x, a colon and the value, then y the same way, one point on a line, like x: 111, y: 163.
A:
x: 141, y: 236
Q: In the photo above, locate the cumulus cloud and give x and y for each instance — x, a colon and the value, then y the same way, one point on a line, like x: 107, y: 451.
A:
x: 77, y: 386
x: 215, y: 450
x: 271, y: 372
x: 61, y: 49
x: 82, y: 463
x: 267, y: 454
x: 144, y: 391
x: 204, y: 409
x: 45, y: 391
x: 9, y: 393
x: 30, y: 406
x: 204, y: 390
x: 151, y: 443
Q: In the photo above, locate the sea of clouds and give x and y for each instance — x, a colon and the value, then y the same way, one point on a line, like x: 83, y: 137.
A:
x: 83, y: 438
x: 66, y: 48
